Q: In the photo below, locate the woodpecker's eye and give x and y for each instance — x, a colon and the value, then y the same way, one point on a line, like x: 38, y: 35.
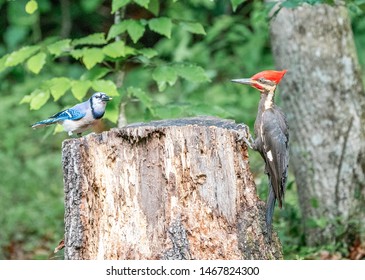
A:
x: 261, y: 80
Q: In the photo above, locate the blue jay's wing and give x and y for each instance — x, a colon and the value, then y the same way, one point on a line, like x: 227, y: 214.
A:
x: 69, y: 114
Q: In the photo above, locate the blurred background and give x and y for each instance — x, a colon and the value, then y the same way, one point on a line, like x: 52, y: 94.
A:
x: 179, y: 66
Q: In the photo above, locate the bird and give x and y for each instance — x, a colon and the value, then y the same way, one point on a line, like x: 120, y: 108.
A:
x: 80, y: 117
x: 271, y: 138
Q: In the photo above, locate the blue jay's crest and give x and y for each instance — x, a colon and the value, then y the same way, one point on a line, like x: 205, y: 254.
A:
x: 81, y: 116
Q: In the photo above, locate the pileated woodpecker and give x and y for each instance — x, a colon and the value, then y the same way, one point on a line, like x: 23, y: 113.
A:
x: 272, y: 138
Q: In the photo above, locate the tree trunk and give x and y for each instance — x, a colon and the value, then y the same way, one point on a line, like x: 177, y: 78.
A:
x: 174, y: 189
x: 324, y: 99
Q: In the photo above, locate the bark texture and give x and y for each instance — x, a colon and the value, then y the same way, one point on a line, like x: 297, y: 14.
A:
x: 174, y: 189
x: 324, y: 99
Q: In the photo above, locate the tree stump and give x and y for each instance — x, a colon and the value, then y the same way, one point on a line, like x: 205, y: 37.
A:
x: 172, y: 189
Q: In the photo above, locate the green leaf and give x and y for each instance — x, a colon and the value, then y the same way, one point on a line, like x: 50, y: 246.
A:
x: 95, y: 73
x: 162, y: 25
x: 143, y: 97
x: 36, y: 62
x: 77, y: 54
x: 191, y: 73
x: 129, y: 51
x: 21, y: 55
x: 92, y: 56
x: 115, y: 49
x: 106, y: 86
x: 134, y: 27
x: 193, y: 27
x: 39, y: 98
x: 93, y: 39
x: 135, y: 30
x: 143, y: 3
x: 117, y: 4
x: 59, y: 47
x: 26, y: 99
x: 164, y: 75
x: 117, y: 29
x: 154, y: 7
x: 149, y: 53
x: 236, y: 3
x: 58, y: 87
x: 79, y: 89
x: 31, y: 6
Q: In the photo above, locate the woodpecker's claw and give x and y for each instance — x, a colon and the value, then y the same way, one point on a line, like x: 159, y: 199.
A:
x: 245, y: 136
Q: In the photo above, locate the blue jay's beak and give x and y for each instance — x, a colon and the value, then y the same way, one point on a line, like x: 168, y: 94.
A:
x: 106, y: 98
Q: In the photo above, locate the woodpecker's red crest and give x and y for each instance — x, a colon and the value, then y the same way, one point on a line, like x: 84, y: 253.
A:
x: 263, y: 80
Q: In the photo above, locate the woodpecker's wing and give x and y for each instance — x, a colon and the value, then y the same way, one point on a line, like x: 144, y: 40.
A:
x: 275, y: 139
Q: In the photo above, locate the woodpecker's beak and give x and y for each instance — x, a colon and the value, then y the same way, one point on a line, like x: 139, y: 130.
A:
x: 243, y: 81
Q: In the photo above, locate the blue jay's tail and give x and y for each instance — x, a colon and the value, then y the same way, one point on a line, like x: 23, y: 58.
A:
x: 270, y: 205
x: 45, y: 122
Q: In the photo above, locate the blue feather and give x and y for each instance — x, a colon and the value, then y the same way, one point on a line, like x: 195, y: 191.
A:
x: 68, y: 114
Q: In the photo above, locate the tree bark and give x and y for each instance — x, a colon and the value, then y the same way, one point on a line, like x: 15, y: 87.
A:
x: 324, y: 99
x: 174, y: 189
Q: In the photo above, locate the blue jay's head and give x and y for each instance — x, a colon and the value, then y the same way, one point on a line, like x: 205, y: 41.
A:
x: 98, y: 103
x: 100, y: 98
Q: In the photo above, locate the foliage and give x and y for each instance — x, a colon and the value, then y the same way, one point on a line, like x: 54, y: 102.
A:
x: 103, y: 56
x: 31, y: 201
x: 157, y: 61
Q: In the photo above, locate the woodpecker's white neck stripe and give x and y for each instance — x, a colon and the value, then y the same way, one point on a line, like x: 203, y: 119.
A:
x: 269, y: 100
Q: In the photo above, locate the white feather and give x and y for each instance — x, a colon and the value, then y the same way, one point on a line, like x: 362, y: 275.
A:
x: 269, y: 155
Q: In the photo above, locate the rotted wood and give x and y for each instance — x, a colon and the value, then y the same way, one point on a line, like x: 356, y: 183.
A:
x: 172, y: 189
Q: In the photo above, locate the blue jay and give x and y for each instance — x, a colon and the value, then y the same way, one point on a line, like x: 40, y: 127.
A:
x: 81, y: 116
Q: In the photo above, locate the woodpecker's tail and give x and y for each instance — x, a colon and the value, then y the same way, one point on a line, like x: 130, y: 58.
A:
x: 45, y: 123
x: 270, y: 205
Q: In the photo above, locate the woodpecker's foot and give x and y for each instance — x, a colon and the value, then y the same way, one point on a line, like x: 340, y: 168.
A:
x: 245, y: 136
